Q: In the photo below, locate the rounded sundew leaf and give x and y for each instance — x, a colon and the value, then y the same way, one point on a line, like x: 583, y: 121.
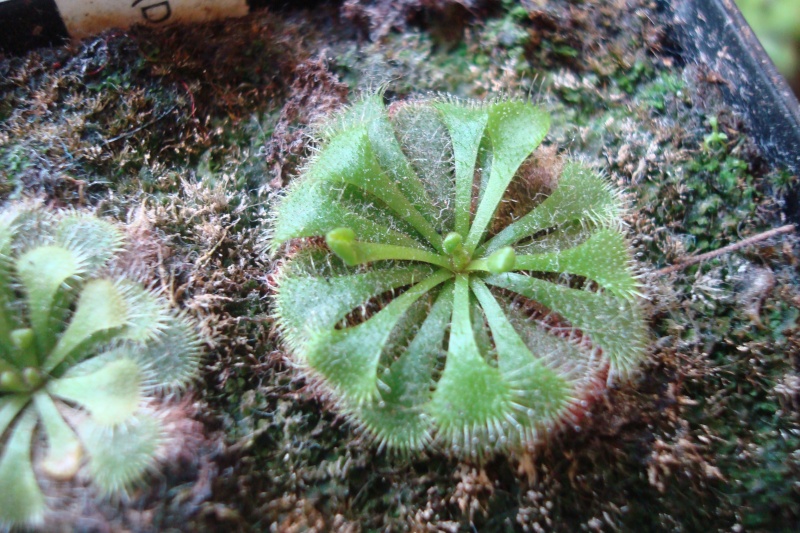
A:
x: 397, y: 418
x: 390, y: 156
x: 565, y: 236
x: 471, y: 400
x: 603, y: 258
x: 350, y: 158
x: 32, y: 226
x: 318, y: 290
x: 348, y: 358
x: 7, y: 320
x: 7, y: 220
x: 44, y: 272
x: 64, y: 450
x: 581, y: 196
x: 95, y: 240
x: 110, y: 393
x: 171, y: 360
x: 21, y: 500
x: 432, y: 161
x: 315, y: 208
x: 540, y: 396
x: 101, y: 313
x: 146, y: 314
x: 121, y: 455
x: 515, y: 129
x: 10, y: 406
x: 613, y: 324
x: 465, y: 125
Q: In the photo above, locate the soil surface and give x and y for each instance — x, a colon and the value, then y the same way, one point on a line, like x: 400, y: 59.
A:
x: 188, y: 136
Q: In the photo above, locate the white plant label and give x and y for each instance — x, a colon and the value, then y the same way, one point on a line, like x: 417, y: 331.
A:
x: 89, y: 17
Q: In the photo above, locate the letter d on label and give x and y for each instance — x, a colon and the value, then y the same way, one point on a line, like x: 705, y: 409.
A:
x: 89, y: 17
x: 156, y: 13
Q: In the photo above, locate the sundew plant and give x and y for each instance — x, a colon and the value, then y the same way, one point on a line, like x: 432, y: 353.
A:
x: 82, y: 349
x: 438, y: 291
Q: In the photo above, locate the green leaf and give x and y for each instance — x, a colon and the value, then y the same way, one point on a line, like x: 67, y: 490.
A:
x: 308, y: 302
x: 10, y: 406
x: 44, y: 272
x: 349, y: 158
x: 539, y: 394
x: 96, y: 241
x: 172, y: 360
x: 348, y: 358
x: 565, y: 236
x: 315, y: 208
x: 120, y: 456
x: 7, y: 219
x: 465, y: 126
x: 21, y: 500
x: 603, y: 258
x: 515, y: 129
x: 64, y: 450
x: 7, y: 322
x: 111, y: 394
x: 581, y: 196
x: 146, y: 314
x: 101, y: 313
x: 613, y: 324
x: 471, y: 399
x: 397, y: 419
x: 391, y: 158
x: 431, y: 160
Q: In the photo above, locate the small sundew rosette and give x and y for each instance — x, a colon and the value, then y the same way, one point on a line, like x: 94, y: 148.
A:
x: 456, y: 300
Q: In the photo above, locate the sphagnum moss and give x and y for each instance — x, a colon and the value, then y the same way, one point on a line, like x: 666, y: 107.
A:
x: 423, y: 325
x: 82, y: 348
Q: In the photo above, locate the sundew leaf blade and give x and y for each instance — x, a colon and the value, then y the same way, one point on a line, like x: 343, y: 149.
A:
x: 515, y: 129
x: 349, y: 158
x: 603, y: 258
x: 146, y: 314
x: 613, y: 324
x: 44, y: 272
x: 390, y: 156
x: 465, y: 126
x: 581, y: 196
x: 398, y: 419
x: 111, y: 393
x: 540, y: 394
x: 101, y: 312
x: 348, y: 358
x: 120, y: 456
x: 308, y: 303
x: 471, y: 399
x: 10, y: 406
x: 21, y: 500
x: 64, y: 450
x: 172, y: 360
x: 7, y: 321
x: 314, y: 208
x: 95, y: 240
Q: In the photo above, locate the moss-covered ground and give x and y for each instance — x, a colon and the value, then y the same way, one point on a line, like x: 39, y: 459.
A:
x: 188, y: 135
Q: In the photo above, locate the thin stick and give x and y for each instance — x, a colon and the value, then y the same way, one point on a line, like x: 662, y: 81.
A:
x: 693, y: 260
